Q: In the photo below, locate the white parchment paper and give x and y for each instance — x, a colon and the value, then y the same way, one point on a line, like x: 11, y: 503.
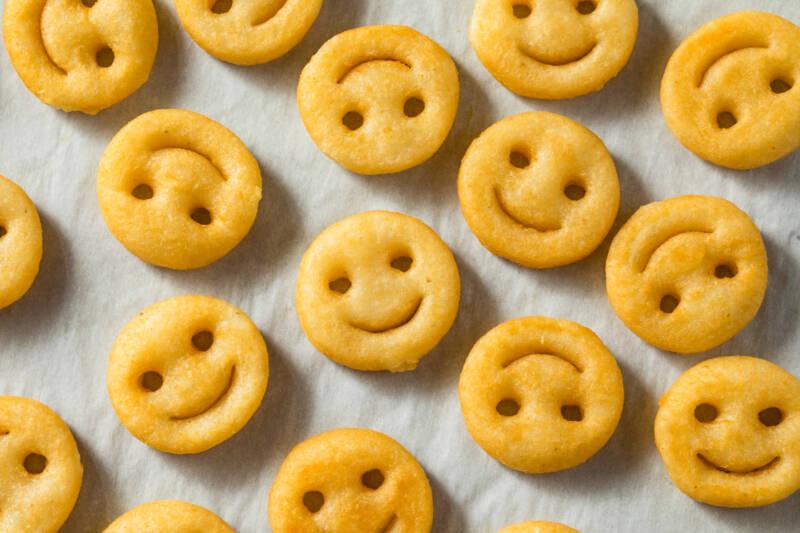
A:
x: 54, y: 343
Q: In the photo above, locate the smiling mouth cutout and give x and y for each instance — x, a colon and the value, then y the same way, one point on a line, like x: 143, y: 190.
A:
x: 389, y: 524
x: 408, y: 318
x: 270, y: 14
x: 557, y: 63
x: 736, y: 472
x: 541, y: 228
x: 213, y: 404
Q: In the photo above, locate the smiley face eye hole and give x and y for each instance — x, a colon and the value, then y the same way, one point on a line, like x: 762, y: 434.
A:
x: 519, y: 159
x: 521, y: 10
x: 203, y: 340
x: 372, y: 479
x: 413, y: 107
x: 3, y: 231
x: 35, y: 463
x: 151, y: 381
x: 201, y: 215
x: 340, y: 285
x: 89, y: 3
x: 104, y: 57
x: 142, y: 192
x: 221, y: 6
x: 353, y: 120
x: 725, y: 270
x: 668, y: 303
x: 726, y: 120
x: 574, y: 192
x: 507, y: 407
x: 313, y: 500
x: 586, y: 7
x: 402, y: 263
x: 771, y: 416
x: 779, y: 85
x: 572, y: 413
x: 705, y: 413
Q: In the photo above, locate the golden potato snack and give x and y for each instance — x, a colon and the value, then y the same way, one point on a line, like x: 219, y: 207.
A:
x: 540, y: 394
x: 40, y: 467
x: 177, y: 189
x: 538, y: 527
x: 168, y: 515
x: 377, y: 291
x: 20, y: 242
x: 187, y: 373
x: 379, y: 99
x: 688, y: 273
x: 728, y: 93
x: 350, y: 481
x: 728, y: 431
x: 247, y: 32
x: 554, y: 49
x: 539, y: 189
x: 81, y: 55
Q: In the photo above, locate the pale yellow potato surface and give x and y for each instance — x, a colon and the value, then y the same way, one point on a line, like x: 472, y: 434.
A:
x: 40, y: 467
x: 350, y: 481
x: 374, y: 71
x: 699, y: 251
x: 402, y: 291
x: 539, y: 189
x: 553, y: 49
x: 169, y: 516
x: 189, y: 163
x: 20, y: 242
x: 60, y: 49
x: 742, y: 448
x: 743, y: 64
x: 247, y: 32
x: 187, y: 373
x: 549, y: 369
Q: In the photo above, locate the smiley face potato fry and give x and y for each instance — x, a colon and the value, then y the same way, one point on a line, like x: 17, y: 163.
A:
x: 177, y: 189
x: 539, y: 189
x: 728, y: 92
x: 379, y: 99
x: 20, y: 242
x: 169, y: 515
x: 728, y: 431
x: 688, y: 273
x: 350, y: 481
x: 247, y: 33
x: 187, y: 373
x: 81, y: 55
x: 540, y: 394
x: 377, y: 291
x: 554, y: 49
x: 40, y: 467
x: 538, y: 527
